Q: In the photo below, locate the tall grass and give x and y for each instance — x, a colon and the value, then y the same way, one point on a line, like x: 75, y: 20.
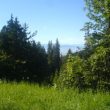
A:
x: 25, y: 96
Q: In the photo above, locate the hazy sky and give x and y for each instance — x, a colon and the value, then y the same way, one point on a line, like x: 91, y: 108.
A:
x: 53, y: 19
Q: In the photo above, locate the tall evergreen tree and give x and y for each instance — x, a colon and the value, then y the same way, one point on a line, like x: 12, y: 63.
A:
x: 22, y: 58
x: 50, y: 56
x: 13, y: 41
x: 56, y: 56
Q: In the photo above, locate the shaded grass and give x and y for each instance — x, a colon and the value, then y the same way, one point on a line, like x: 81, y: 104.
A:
x: 25, y: 96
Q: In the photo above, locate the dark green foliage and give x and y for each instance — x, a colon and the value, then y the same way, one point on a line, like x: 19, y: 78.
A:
x: 21, y: 58
x: 24, y: 59
x: 37, y: 63
x: 50, y: 56
x: 56, y: 56
x: 54, y: 59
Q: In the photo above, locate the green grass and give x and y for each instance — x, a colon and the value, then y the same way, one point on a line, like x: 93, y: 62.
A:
x: 23, y: 96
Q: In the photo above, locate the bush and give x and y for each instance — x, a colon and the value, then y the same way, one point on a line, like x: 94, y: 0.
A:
x: 72, y: 73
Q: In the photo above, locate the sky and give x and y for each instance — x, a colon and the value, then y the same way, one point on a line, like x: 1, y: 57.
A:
x: 52, y: 19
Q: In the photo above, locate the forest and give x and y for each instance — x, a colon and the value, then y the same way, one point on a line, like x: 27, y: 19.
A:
x: 35, y: 78
x: 24, y: 59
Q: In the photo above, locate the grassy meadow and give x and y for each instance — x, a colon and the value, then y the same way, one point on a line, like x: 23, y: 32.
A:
x: 25, y: 96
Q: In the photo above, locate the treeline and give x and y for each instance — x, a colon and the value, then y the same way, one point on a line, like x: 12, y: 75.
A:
x: 90, y: 67
x: 21, y: 58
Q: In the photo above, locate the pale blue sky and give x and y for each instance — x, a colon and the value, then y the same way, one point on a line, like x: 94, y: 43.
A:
x: 53, y: 19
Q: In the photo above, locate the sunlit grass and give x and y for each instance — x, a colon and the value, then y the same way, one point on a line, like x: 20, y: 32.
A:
x: 25, y: 96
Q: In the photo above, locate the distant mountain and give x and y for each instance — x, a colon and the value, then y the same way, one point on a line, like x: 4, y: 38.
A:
x: 64, y: 48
